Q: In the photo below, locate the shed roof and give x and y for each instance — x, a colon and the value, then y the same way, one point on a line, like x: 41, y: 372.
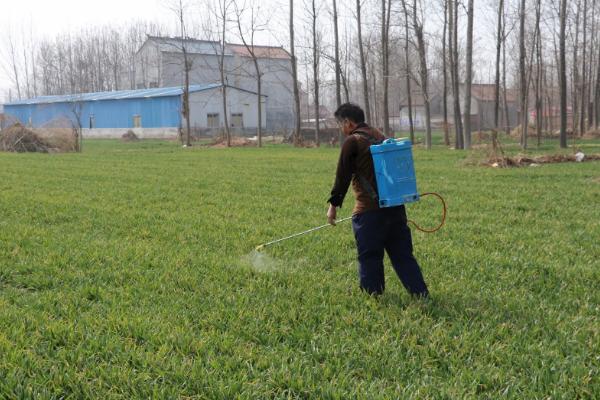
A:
x: 210, y: 47
x: 192, y: 46
x: 260, y: 51
x: 119, y: 95
x: 487, y: 92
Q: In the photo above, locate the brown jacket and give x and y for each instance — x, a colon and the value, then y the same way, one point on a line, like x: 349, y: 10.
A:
x: 356, y: 165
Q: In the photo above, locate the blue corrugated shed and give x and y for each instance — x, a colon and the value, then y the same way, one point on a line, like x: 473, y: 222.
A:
x: 157, y: 108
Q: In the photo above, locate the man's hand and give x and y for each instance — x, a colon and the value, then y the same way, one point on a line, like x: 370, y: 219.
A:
x: 331, y: 215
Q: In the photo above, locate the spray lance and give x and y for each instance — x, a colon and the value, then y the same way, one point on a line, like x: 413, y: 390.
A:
x: 396, y: 183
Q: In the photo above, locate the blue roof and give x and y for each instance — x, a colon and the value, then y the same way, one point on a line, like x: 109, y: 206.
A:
x: 116, y: 95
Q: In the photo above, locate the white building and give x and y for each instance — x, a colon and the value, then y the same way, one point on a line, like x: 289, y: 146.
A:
x: 159, y: 63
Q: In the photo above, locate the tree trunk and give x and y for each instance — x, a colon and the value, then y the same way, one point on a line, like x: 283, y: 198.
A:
x: 363, y: 66
x: 523, y: 76
x: 507, y: 122
x: 338, y: 69
x: 597, y: 93
x: 538, y: 81
x: 223, y: 77
x: 408, y: 73
x: 469, y: 77
x: 385, y: 14
x: 563, y: 75
x: 186, y: 72
x: 584, y: 85
x: 575, y: 87
x: 258, y: 95
x: 423, y: 73
x: 445, y: 74
x: 316, y: 73
x: 295, y: 77
x: 499, y: 39
x: 250, y: 49
x: 454, y: 64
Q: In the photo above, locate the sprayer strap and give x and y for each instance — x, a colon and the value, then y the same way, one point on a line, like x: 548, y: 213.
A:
x: 364, y: 182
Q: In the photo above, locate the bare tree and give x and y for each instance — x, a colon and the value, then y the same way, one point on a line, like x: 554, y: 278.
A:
x: 363, y: 64
x: 14, y: 64
x: 499, y: 39
x: 454, y: 65
x: 576, y: 79
x: 563, y: 74
x: 418, y: 18
x: 584, y: 67
x: 469, y: 77
x: 215, y: 27
x: 445, y: 75
x: 254, y: 27
x: 385, y: 50
x: 77, y: 123
x: 295, y: 76
x: 539, y: 72
x: 316, y: 53
x: 408, y: 71
x: 338, y: 69
x: 187, y: 67
x: 523, y: 76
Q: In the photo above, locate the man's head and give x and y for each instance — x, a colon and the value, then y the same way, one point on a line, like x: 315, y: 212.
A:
x: 348, y: 117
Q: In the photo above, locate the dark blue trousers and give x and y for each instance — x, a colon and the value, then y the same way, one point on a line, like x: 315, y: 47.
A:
x: 386, y: 229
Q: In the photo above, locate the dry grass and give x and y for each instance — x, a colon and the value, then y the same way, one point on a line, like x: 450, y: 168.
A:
x: 235, y: 142
x: 524, y: 161
x: 19, y: 139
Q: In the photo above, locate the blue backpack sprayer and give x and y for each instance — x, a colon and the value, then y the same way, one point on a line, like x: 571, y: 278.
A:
x: 396, y: 181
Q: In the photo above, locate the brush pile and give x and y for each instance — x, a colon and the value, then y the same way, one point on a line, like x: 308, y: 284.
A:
x: 129, y: 136
x: 526, y: 161
x: 19, y: 139
x: 235, y: 142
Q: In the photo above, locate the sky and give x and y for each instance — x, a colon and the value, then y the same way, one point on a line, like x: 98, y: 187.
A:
x: 50, y: 18
x: 47, y: 19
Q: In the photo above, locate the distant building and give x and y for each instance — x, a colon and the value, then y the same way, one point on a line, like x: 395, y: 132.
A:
x: 150, y: 113
x: 159, y: 63
x: 482, y: 107
x: 402, y: 121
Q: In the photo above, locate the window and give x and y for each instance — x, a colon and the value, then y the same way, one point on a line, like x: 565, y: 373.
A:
x: 137, y: 121
x: 212, y: 120
x: 237, y: 120
x: 92, y: 121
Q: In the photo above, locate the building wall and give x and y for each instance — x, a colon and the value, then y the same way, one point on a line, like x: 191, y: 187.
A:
x: 210, y: 102
x: 418, y: 114
x: 142, y: 133
x: 487, y: 115
x: 156, y: 112
x: 482, y: 112
x: 148, y: 67
x: 277, y: 83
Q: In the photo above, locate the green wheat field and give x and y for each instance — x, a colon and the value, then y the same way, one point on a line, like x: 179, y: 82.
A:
x: 128, y: 271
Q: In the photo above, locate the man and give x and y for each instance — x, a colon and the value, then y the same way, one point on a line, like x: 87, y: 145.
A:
x: 375, y: 229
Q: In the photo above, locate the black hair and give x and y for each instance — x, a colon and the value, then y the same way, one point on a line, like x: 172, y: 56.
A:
x: 351, y: 112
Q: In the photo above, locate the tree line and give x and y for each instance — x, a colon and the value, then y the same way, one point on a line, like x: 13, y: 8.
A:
x: 386, y: 55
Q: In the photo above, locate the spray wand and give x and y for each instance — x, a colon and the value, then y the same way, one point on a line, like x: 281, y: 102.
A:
x: 262, y: 246
x: 445, y: 211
